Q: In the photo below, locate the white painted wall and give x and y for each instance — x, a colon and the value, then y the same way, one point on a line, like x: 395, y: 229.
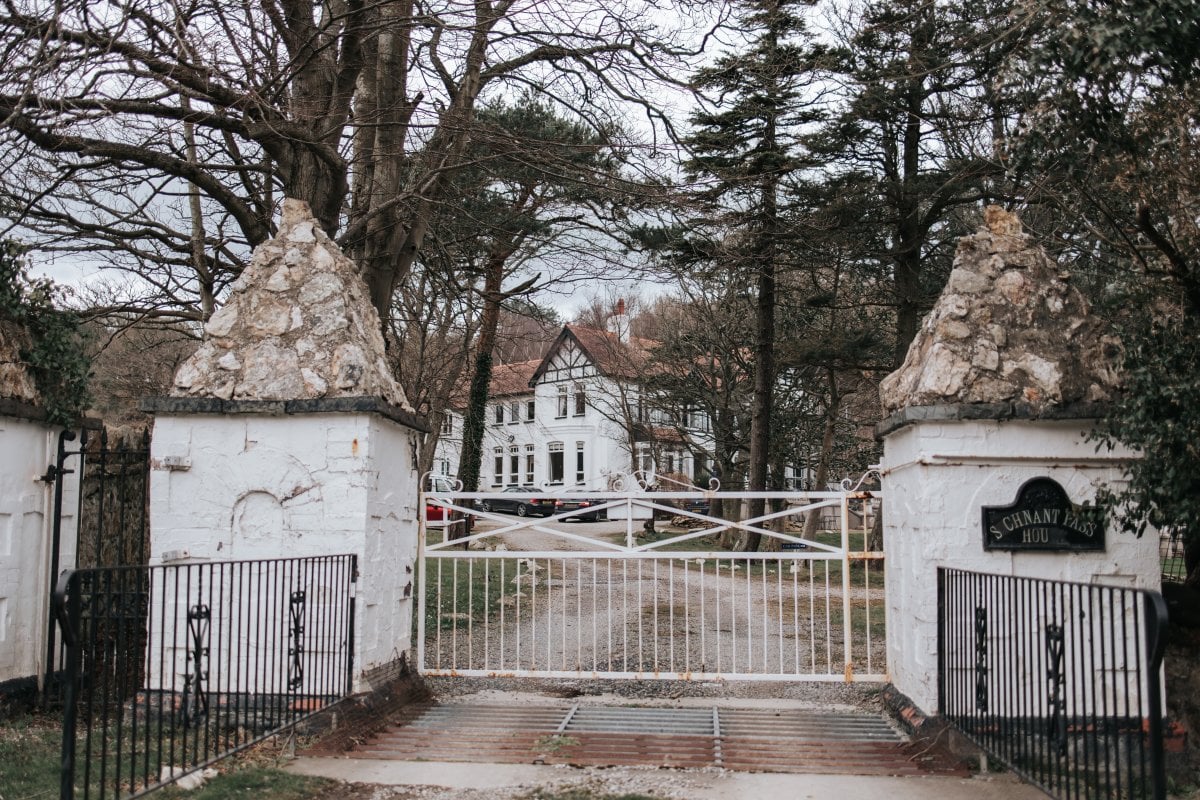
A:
x: 263, y: 486
x: 27, y: 448
x: 937, y: 476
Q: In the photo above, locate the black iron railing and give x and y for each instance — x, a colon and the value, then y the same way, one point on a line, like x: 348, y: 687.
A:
x: 114, y: 492
x: 170, y: 668
x: 1061, y: 681
x: 111, y: 515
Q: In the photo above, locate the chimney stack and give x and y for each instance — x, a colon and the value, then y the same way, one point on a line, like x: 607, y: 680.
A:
x: 618, y: 323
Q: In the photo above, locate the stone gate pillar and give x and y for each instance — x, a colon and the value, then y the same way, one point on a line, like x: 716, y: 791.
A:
x: 286, y: 435
x: 1001, y: 386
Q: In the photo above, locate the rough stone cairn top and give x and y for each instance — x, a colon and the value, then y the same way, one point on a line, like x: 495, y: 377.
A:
x: 1007, y: 329
x: 298, y: 325
x: 15, y: 381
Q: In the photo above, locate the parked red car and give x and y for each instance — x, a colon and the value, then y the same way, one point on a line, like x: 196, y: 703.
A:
x: 458, y: 523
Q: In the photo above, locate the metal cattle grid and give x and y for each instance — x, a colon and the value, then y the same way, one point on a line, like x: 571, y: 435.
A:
x: 542, y: 597
x: 757, y: 739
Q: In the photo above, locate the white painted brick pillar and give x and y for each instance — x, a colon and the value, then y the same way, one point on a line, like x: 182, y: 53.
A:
x: 28, y: 446
x: 233, y: 480
x: 941, y: 466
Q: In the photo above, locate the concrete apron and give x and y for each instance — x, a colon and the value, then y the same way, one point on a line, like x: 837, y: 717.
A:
x: 479, y: 774
x: 706, y: 784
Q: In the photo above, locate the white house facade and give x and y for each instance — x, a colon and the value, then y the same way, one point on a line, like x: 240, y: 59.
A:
x: 576, y: 418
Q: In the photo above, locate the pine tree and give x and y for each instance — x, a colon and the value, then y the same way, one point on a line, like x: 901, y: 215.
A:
x: 911, y: 150
x: 539, y: 173
x: 745, y: 146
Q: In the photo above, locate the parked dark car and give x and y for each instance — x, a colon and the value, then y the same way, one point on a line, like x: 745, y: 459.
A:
x: 584, y: 507
x: 521, y: 506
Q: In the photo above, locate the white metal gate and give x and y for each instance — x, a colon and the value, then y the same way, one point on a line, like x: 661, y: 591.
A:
x: 547, y: 596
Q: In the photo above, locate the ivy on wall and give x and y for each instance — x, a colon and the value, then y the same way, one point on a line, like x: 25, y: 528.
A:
x: 56, y: 356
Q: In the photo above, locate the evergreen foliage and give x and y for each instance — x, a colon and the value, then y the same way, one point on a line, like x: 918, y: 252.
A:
x: 745, y: 145
x: 1159, y: 415
x: 56, y: 356
x: 1112, y: 128
x: 538, y: 177
x: 908, y: 146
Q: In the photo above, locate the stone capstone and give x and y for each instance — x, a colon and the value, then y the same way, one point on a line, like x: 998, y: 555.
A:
x: 15, y: 381
x: 1008, y: 328
x: 298, y: 325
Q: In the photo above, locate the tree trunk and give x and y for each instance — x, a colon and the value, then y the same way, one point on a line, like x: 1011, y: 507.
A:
x: 429, y: 447
x: 720, y: 508
x: 204, y: 277
x: 770, y: 543
x: 764, y: 393
x: 875, y: 538
x: 766, y: 252
x: 481, y: 378
x: 909, y: 299
x: 826, y: 454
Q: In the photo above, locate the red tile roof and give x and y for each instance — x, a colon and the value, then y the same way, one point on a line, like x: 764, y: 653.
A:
x: 512, y: 379
x: 612, y: 357
x: 508, y: 380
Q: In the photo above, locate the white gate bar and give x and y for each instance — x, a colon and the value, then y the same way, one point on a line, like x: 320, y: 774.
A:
x: 445, y: 546
x: 653, y: 675
x: 527, y: 608
x: 847, y: 660
x: 573, y: 491
x: 636, y: 555
x: 422, y: 592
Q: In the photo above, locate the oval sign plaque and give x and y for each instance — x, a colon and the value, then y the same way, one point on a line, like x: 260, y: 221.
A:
x: 1041, y: 518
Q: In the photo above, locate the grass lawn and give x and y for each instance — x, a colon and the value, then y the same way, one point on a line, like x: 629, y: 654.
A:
x: 29, y: 754
x: 29, y: 769
x: 243, y: 781
x: 467, y: 590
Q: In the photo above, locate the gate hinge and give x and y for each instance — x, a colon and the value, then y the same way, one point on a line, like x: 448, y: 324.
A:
x: 53, y: 473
